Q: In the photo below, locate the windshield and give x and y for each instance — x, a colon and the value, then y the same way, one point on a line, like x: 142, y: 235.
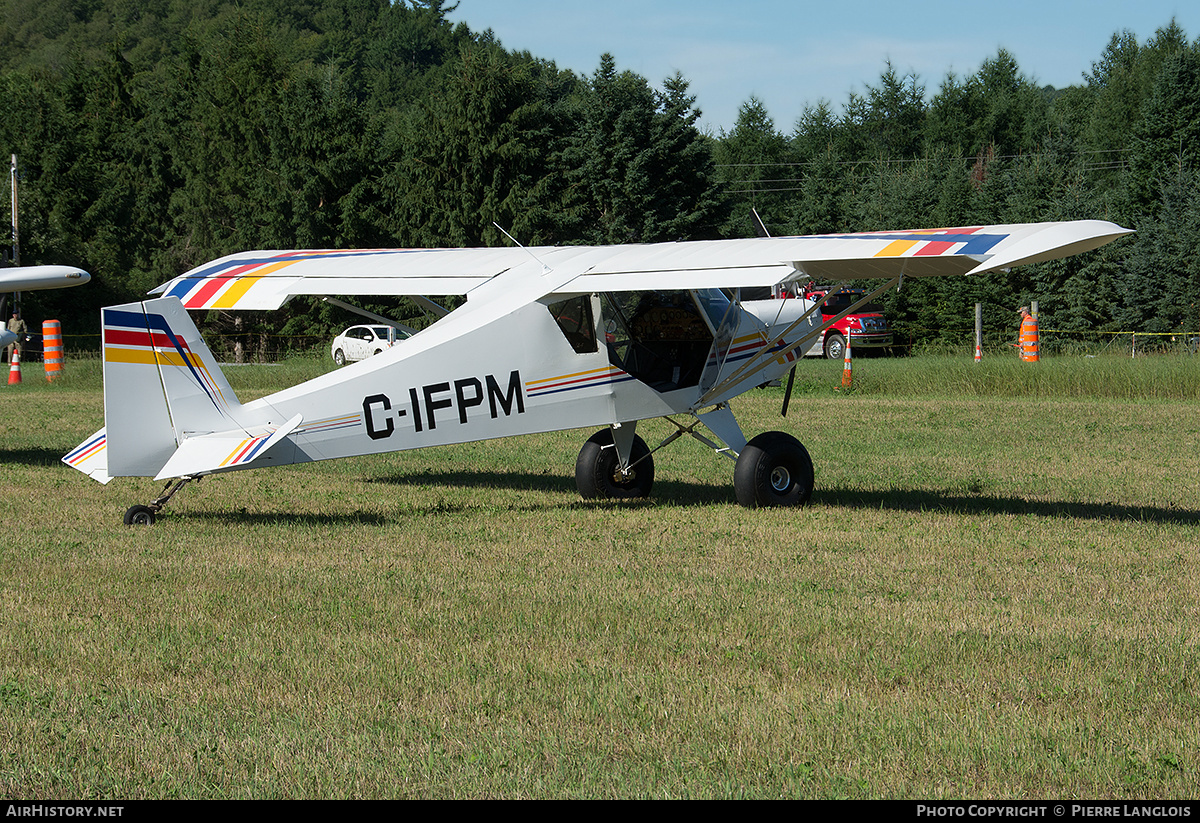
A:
x: 715, y: 306
x: 838, y: 303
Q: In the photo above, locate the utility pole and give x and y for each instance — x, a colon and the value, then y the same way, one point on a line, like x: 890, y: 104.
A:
x: 16, y: 237
x: 16, y: 245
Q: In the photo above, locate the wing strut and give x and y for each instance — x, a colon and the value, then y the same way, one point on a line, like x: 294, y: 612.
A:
x: 378, y: 318
x: 767, y: 353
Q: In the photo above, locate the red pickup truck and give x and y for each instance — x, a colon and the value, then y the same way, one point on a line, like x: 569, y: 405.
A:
x: 866, y: 328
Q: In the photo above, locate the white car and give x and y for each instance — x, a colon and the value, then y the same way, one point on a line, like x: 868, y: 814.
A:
x: 360, y: 342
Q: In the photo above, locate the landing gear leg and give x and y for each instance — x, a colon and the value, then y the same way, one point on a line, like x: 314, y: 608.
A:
x: 146, y: 515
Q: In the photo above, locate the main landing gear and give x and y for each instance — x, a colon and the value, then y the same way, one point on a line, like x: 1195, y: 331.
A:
x: 773, y: 469
x: 146, y: 515
x: 599, y: 473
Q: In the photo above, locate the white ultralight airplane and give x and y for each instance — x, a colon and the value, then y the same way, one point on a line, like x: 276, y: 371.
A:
x: 548, y: 339
x: 37, y: 278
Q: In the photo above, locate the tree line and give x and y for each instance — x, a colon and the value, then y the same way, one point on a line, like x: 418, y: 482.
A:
x: 153, y: 138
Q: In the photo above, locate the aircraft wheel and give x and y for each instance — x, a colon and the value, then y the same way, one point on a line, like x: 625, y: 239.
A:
x: 339, y: 357
x: 835, y: 347
x: 773, y: 470
x: 597, y: 475
x: 139, y: 516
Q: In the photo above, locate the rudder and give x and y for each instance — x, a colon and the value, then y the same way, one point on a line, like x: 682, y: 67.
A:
x: 161, y: 384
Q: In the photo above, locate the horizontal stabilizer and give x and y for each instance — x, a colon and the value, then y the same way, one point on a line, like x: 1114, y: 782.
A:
x: 91, y: 457
x: 223, y: 451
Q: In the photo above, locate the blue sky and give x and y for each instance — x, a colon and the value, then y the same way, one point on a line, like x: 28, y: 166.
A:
x: 793, y: 54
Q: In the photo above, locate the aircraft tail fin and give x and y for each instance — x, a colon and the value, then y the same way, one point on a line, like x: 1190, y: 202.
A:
x: 162, y: 386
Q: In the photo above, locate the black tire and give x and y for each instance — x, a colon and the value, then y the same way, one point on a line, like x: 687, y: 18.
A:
x: 139, y: 516
x: 339, y: 357
x: 835, y: 347
x: 596, y: 475
x: 773, y: 470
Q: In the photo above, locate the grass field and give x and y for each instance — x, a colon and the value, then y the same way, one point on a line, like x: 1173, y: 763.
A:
x: 993, y: 594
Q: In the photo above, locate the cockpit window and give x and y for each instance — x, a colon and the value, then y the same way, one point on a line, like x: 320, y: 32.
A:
x: 574, y: 318
x: 660, y: 337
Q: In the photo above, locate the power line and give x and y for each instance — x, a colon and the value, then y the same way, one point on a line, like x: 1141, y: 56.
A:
x: 776, y: 185
x: 903, y: 160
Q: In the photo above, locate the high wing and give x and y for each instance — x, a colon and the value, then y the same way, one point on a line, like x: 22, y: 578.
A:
x: 775, y: 260
x: 265, y: 280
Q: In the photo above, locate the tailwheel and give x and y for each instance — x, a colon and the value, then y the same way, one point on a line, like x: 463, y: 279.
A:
x: 139, y: 516
x: 773, y: 470
x: 599, y: 474
x: 146, y: 515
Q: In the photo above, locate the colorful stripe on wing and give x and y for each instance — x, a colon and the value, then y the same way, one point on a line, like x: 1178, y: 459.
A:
x: 223, y: 284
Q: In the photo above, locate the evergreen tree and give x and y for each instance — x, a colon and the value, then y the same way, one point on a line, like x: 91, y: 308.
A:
x: 952, y: 123
x: 406, y: 47
x: 820, y: 206
x: 631, y: 147
x: 1161, y: 283
x: 686, y: 201
x: 1167, y: 135
x: 757, y: 167
x: 477, y: 154
x: 1121, y: 82
x: 894, y: 119
x: 264, y: 150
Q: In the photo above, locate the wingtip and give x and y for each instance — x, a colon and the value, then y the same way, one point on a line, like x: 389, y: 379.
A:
x: 1053, y: 241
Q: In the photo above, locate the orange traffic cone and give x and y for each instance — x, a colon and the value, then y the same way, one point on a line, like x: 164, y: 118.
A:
x: 978, y: 353
x: 847, y: 369
x: 14, y: 372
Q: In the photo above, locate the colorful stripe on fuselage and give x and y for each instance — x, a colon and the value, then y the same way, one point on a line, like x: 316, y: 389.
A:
x: 579, y: 380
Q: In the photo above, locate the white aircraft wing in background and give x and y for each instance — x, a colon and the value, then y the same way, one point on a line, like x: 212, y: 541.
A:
x: 37, y: 278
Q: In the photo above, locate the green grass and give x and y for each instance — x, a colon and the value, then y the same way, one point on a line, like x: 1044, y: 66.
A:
x: 993, y: 594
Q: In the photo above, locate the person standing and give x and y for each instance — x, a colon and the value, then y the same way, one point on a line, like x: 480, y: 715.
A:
x: 1028, y: 340
x: 17, y: 326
